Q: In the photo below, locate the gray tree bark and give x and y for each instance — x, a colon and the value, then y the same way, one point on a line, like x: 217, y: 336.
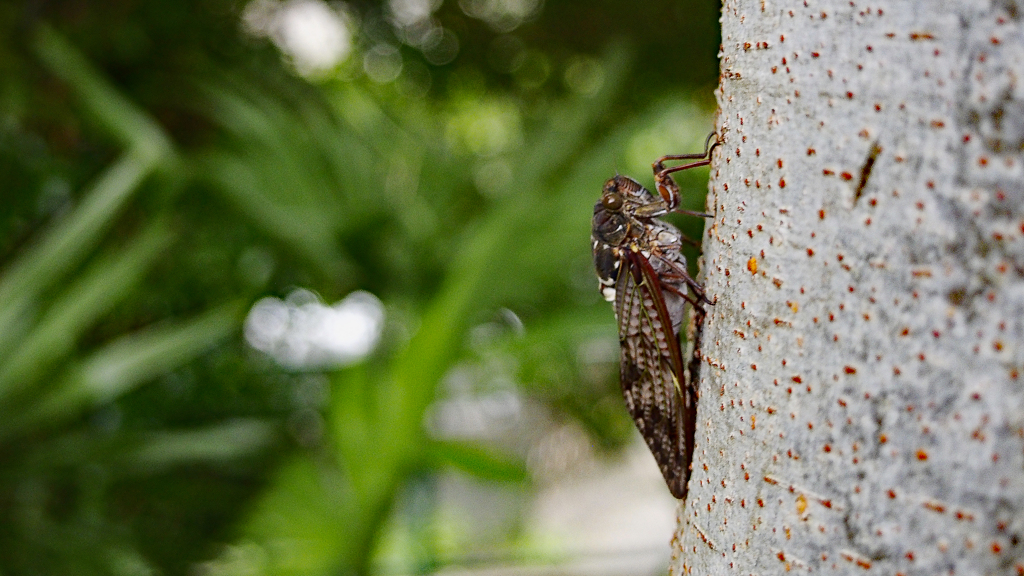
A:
x: 861, y: 401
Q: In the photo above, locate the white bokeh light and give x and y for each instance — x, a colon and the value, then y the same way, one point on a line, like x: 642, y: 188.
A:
x: 410, y: 12
x: 314, y: 36
x: 301, y: 332
x: 382, y: 63
x: 502, y: 15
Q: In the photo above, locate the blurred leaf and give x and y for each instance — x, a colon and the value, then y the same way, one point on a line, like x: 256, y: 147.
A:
x: 105, y: 283
x: 125, y: 364
x: 304, y: 526
x: 478, y: 461
x: 133, y: 454
x: 130, y: 124
x: 68, y: 242
x: 294, y: 173
x: 219, y: 443
x: 64, y: 246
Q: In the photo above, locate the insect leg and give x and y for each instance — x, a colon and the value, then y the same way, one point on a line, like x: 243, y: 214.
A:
x: 681, y: 294
x: 667, y: 187
x: 682, y: 274
x: 697, y: 214
x: 708, y: 147
x: 689, y: 240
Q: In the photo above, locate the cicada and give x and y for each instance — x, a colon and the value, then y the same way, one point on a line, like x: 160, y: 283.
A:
x: 642, y: 270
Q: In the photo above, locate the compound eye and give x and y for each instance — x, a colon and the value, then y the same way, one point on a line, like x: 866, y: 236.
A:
x: 612, y: 201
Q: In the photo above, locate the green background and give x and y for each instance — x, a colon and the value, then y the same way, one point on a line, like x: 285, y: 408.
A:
x: 161, y: 170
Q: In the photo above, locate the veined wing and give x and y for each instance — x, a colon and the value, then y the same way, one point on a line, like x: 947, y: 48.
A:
x: 651, y: 370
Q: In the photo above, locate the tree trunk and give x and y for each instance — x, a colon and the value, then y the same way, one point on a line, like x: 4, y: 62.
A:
x: 861, y: 403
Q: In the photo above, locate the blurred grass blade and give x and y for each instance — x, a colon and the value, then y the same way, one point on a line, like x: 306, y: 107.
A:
x: 478, y: 461
x: 139, y: 357
x: 92, y: 294
x: 276, y: 174
x: 69, y: 240
x: 126, y: 363
x: 305, y: 525
x: 126, y: 121
x: 132, y: 453
x: 64, y: 245
x: 226, y: 441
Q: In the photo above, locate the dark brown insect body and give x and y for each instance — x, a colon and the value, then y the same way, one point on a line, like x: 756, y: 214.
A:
x: 641, y: 269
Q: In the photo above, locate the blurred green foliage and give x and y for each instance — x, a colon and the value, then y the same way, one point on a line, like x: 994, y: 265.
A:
x: 163, y: 170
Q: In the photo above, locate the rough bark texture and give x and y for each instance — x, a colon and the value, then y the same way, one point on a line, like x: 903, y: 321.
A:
x: 861, y: 400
